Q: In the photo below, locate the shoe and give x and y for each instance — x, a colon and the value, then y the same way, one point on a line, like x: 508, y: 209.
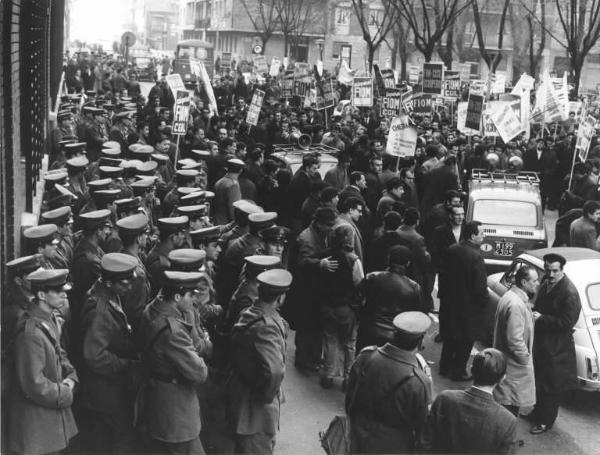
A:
x: 438, y: 338
x: 539, y: 428
x: 463, y: 377
x: 326, y: 383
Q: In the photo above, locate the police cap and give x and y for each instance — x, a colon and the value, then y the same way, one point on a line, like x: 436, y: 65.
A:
x: 275, y: 234
x: 247, y: 207
x: 41, y: 235
x: 110, y: 171
x: 194, y: 198
x: 160, y: 158
x: 412, y: 323
x: 106, y: 196
x: 185, y: 190
x: 75, y: 147
x: 99, y: 184
x: 262, y: 262
x: 172, y: 224
x: 201, y: 154
x: 94, y: 220
x: 206, y: 235
x: 262, y: 220
x: 23, y: 265
x: 58, y: 176
x: 77, y: 163
x: 235, y: 165
x: 46, y: 279
x: 187, y: 259
x: 118, y: 266
x: 133, y: 224
x: 193, y: 211
x: 128, y: 204
x: 57, y: 216
x: 63, y: 115
x: 142, y: 186
x: 186, y: 175
x: 60, y: 201
x: 111, y: 145
x: 146, y: 167
x: 183, y: 280
x: 124, y: 115
x: 111, y: 151
x: 275, y: 280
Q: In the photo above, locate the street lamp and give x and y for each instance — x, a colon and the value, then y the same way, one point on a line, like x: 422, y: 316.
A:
x: 320, y: 42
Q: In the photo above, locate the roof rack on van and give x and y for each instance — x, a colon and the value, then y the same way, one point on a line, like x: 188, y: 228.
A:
x: 514, y: 178
x: 313, y: 148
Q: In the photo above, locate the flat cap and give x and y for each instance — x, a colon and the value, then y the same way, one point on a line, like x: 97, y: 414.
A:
x: 95, y: 219
x: 118, y: 266
x: 57, y: 216
x: 400, y: 255
x: 413, y: 323
x: 43, y: 279
x: 25, y: 264
x: 262, y: 220
x: 206, y: 235
x: 186, y: 259
x: 277, y: 280
x: 183, y: 280
x: 41, y: 234
x: 133, y: 224
x: 275, y: 234
x: 173, y: 223
x: 192, y: 210
x: 325, y: 215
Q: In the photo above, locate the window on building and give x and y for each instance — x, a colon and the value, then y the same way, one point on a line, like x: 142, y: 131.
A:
x: 342, y: 20
x: 337, y: 49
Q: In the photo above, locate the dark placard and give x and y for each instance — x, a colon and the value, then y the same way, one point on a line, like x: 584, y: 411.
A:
x: 226, y: 60
x: 302, y: 87
x: 391, y: 103
x: 287, y: 85
x: 433, y: 77
x: 325, y: 97
x: 474, y: 111
x: 418, y: 103
x: 452, y: 84
x: 389, y: 81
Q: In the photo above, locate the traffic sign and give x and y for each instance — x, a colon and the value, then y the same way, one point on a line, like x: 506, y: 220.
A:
x: 128, y: 39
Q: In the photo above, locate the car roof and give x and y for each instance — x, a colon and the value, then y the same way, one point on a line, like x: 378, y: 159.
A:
x: 569, y: 253
x: 499, y: 193
x: 297, y: 156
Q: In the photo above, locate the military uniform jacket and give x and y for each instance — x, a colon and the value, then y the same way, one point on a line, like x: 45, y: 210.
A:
x: 85, y: 271
x: 172, y: 369
x: 40, y: 418
x: 136, y: 300
x: 109, y: 355
x: 387, y: 399
x: 156, y: 263
x: 258, y: 367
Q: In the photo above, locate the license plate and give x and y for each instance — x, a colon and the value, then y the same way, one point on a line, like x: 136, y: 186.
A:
x: 504, y: 248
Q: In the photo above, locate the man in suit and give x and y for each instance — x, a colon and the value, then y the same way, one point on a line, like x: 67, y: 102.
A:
x: 555, y: 312
x: 470, y: 421
x: 463, y: 297
x: 350, y: 213
x: 542, y: 159
x: 446, y: 235
x: 437, y: 182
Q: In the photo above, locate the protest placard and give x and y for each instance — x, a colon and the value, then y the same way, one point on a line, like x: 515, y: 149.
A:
x: 584, y: 137
x: 391, y: 103
x: 225, y: 60
x: 197, y: 68
x: 461, y: 112
x: 287, y: 84
x: 325, y: 97
x: 452, y: 85
x: 275, y: 65
x: 506, y: 122
x: 498, y: 83
x: 402, y: 138
x: 255, y: 106
x: 389, y: 80
x: 433, y: 77
x: 175, y: 82
x: 181, y: 113
x: 302, y: 86
x: 413, y: 74
x: 418, y: 103
x: 302, y: 69
x: 260, y: 64
x: 362, y: 92
x: 474, y: 111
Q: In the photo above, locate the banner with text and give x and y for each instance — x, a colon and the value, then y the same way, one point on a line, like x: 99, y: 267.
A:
x: 452, y: 85
x: 325, y: 97
x: 181, y: 114
x: 391, y: 103
x: 474, y: 111
x: 287, y: 84
x: 402, y: 138
x: 506, y: 122
x: 260, y: 64
x: 362, y: 92
x: 433, y: 77
x: 461, y: 112
x: 584, y: 137
x: 255, y: 106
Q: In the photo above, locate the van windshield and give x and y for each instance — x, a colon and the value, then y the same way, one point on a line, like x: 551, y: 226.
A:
x: 511, y: 213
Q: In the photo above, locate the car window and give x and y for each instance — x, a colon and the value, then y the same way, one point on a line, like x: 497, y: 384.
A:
x: 593, y: 295
x: 512, y: 213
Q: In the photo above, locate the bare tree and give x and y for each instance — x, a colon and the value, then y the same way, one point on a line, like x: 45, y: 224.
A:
x: 579, y: 30
x: 534, y: 30
x: 375, y: 24
x: 399, y: 46
x: 293, y: 17
x: 263, y: 16
x: 429, y: 20
x: 492, y: 59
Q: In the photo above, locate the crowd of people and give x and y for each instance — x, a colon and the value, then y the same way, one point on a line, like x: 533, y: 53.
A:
x: 155, y: 298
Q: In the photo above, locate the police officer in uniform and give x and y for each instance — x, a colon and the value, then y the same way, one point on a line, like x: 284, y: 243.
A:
x: 110, y: 361
x: 389, y: 390
x: 172, y: 235
x: 170, y: 408
x: 121, y: 129
x: 209, y: 240
x: 41, y: 240
x: 133, y: 231
x: 275, y: 240
x: 62, y: 218
x: 40, y: 418
x: 242, y: 209
x: 258, y: 350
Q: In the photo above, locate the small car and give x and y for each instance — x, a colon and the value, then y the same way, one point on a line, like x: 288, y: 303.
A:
x: 509, y: 206
x: 583, y: 269
x: 289, y: 156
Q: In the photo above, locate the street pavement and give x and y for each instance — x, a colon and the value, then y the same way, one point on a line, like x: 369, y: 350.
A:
x: 309, y: 408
